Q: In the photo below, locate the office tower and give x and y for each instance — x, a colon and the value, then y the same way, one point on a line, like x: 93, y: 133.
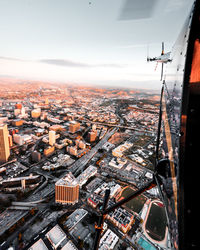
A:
x: 52, y: 137
x: 92, y: 136
x: 74, y: 126
x: 67, y: 190
x: 4, y: 143
x: 36, y: 156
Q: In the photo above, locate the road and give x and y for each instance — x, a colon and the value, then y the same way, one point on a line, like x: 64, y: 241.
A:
x: 9, y: 217
x: 83, y: 161
x: 119, y: 126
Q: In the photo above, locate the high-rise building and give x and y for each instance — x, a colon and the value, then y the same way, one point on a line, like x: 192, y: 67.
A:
x: 52, y: 137
x: 4, y: 143
x: 92, y: 135
x: 74, y: 126
x: 67, y: 190
x: 35, y: 113
x: 36, y: 156
x: 47, y: 101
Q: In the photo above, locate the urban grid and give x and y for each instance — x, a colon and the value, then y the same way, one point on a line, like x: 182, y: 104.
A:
x: 61, y: 147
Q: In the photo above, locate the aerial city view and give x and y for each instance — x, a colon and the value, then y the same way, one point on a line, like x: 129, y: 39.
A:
x: 93, y: 119
x: 61, y: 148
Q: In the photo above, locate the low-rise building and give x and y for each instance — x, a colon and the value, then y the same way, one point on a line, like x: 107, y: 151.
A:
x: 114, y: 189
x: 69, y: 246
x: 122, y: 219
x: 72, y: 150
x: 75, y: 218
x: 107, y: 146
x: 49, y: 150
x: 56, y: 236
x: 35, y: 113
x: 87, y: 173
x: 22, y: 139
x: 118, y: 151
x: 17, y: 122
x: 38, y: 245
x: 108, y: 240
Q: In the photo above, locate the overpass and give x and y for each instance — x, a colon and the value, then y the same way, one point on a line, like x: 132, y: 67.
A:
x: 118, y: 126
x: 27, y: 205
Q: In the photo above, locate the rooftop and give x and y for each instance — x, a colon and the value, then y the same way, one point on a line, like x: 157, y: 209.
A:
x: 56, y: 236
x: 38, y: 245
x: 67, y: 180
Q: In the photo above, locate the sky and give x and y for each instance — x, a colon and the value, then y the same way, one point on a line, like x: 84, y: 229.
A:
x: 86, y: 42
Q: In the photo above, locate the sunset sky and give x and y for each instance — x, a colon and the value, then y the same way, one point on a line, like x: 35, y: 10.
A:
x: 85, y: 41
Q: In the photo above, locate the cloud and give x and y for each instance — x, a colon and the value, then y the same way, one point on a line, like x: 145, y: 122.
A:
x: 112, y: 65
x: 69, y: 63
x: 11, y: 58
x: 136, y: 46
x: 65, y: 63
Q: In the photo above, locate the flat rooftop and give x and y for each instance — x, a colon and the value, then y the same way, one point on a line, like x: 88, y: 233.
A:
x: 68, y: 180
x: 56, y: 236
x: 38, y: 245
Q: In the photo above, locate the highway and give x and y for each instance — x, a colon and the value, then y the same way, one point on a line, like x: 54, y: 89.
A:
x: 119, y: 126
x: 83, y: 161
x: 10, y: 217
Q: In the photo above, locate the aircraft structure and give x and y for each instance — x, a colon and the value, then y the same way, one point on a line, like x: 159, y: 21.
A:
x: 175, y: 172
x: 163, y: 58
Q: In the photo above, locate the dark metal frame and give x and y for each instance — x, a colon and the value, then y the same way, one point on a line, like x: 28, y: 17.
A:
x: 156, y: 181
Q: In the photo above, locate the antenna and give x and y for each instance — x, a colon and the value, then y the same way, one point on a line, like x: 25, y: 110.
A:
x: 162, y: 52
x: 162, y: 72
x: 148, y: 58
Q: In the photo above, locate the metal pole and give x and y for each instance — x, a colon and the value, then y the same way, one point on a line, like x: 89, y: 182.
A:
x: 99, y: 226
x: 147, y: 186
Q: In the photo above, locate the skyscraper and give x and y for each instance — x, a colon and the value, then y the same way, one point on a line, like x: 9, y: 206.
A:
x: 52, y: 137
x: 67, y: 190
x: 92, y: 135
x: 4, y: 143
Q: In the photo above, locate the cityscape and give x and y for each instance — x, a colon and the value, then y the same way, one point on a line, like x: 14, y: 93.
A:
x: 61, y: 146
